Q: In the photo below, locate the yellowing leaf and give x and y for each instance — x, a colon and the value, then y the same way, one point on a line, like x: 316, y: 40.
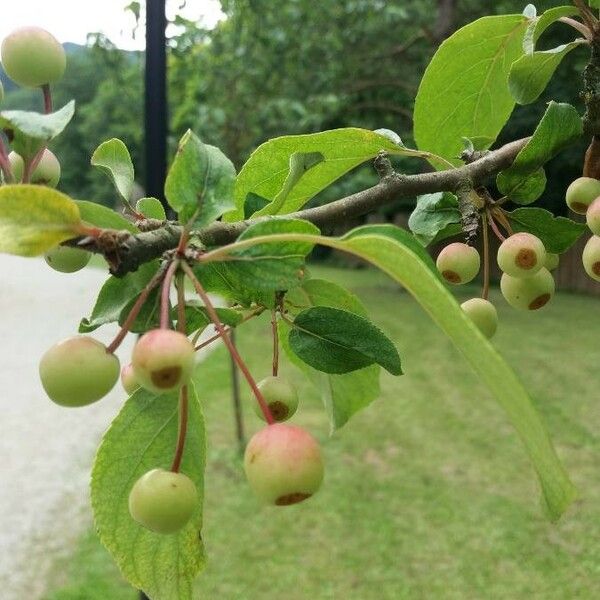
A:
x: 34, y: 218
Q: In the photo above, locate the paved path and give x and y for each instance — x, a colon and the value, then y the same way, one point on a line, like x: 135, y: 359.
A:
x: 46, y: 451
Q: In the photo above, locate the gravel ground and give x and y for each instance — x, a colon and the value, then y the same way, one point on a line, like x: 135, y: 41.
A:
x: 46, y: 451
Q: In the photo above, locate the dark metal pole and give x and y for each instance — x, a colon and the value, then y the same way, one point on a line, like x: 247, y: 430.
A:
x: 156, y: 98
x: 155, y: 105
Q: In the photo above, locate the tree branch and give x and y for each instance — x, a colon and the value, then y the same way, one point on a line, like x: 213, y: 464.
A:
x: 134, y: 250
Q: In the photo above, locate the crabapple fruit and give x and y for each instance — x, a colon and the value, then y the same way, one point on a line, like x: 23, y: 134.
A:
x: 32, y: 57
x: 283, y: 464
x: 591, y: 257
x: 128, y: 379
x: 458, y: 263
x: 280, y: 396
x: 581, y: 193
x: 47, y: 171
x: 163, y: 360
x: 552, y: 261
x: 66, y: 259
x: 521, y: 255
x: 592, y: 217
x: 483, y: 314
x: 163, y: 501
x: 528, y: 294
x: 78, y: 371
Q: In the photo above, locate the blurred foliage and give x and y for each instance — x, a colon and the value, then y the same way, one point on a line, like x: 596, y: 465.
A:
x: 273, y: 68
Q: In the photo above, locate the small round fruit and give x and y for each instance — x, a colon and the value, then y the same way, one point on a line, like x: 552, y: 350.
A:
x: 163, y: 501
x: 283, y: 464
x: 581, y: 193
x: 128, y: 379
x: 528, y: 294
x: 47, y: 171
x: 66, y: 259
x: 483, y: 314
x: 592, y: 217
x: 78, y: 371
x: 281, y: 397
x: 521, y: 255
x: 163, y: 360
x: 31, y: 57
x: 552, y: 261
x: 591, y: 257
x: 458, y: 263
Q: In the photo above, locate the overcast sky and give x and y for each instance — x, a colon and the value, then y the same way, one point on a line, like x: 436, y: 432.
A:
x: 72, y: 20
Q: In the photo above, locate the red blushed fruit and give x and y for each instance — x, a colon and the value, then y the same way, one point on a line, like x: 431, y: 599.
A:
x: 458, y: 263
x: 128, y: 379
x: 283, y: 464
x: 163, y: 360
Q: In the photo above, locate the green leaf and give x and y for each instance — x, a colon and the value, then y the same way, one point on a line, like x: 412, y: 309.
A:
x: 34, y: 218
x: 151, y: 208
x: 264, y: 268
x: 558, y: 234
x: 103, y: 217
x: 143, y: 437
x: 31, y: 131
x: 404, y: 265
x: 433, y: 213
x: 539, y: 24
x: 300, y: 163
x: 524, y: 182
x: 196, y: 317
x: 253, y: 204
x: 346, y: 394
x: 113, y: 159
x: 200, y: 182
x: 116, y: 294
x: 268, y: 168
x: 337, y: 341
x: 149, y: 315
x: 530, y: 75
x: 464, y: 91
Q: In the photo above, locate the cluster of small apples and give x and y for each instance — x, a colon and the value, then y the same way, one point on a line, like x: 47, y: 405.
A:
x: 32, y: 57
x: 282, y: 462
x: 583, y: 197
x: 526, y: 281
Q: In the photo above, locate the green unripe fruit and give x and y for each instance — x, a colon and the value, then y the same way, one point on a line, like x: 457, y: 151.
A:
x: 528, y: 294
x: 283, y: 464
x: 78, y: 371
x: 581, y: 193
x: 66, y: 259
x: 128, y: 379
x: 32, y: 57
x: 591, y: 257
x: 281, y: 397
x: 46, y: 172
x: 458, y: 263
x: 163, y: 360
x: 521, y: 255
x: 163, y: 501
x: 483, y: 314
x: 592, y: 217
x: 552, y: 261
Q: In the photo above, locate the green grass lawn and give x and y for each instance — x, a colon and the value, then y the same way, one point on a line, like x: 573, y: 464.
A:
x: 428, y: 492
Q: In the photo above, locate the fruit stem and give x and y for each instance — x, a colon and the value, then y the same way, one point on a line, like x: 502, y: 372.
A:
x: 495, y: 229
x: 486, y: 258
x: 501, y: 216
x: 182, y: 430
x: 47, y: 98
x: 165, y: 321
x: 249, y: 316
x: 275, y: 343
x: 135, y: 309
x: 212, y: 313
x: 5, y: 163
x: 183, y: 395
